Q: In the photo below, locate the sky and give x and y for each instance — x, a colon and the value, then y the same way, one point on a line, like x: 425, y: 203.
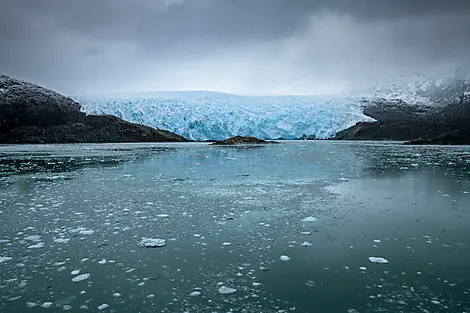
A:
x: 82, y: 47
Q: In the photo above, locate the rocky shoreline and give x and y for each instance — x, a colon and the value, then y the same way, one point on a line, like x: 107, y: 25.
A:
x: 36, y: 115
x: 398, y: 121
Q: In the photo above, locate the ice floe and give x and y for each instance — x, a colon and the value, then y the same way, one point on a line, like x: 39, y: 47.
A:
x: 195, y: 293
x: 284, y: 258
x: 5, y: 259
x: 80, y: 278
x: 47, y: 305
x: 378, y: 260
x: 309, y: 219
x: 226, y: 290
x: 152, y: 242
x: 103, y: 306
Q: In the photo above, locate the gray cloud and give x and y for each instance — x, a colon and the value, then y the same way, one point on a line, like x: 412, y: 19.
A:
x: 243, y: 46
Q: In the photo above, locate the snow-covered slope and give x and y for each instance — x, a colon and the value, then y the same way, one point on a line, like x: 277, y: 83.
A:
x: 214, y: 116
x: 435, y: 89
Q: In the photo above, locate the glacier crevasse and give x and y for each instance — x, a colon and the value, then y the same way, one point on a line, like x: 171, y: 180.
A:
x: 214, y: 116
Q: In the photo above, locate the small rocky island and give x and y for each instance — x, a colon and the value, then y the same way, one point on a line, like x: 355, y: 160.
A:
x: 33, y: 114
x: 239, y: 140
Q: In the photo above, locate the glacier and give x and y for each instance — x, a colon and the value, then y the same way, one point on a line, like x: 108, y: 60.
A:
x: 202, y: 115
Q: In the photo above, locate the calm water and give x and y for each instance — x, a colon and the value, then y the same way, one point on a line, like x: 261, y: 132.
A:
x: 228, y: 215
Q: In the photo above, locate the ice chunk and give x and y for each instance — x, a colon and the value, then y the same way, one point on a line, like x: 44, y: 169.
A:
x: 61, y: 240
x: 47, y: 305
x: 284, y: 258
x: 75, y: 272
x: 30, y: 304
x: 152, y: 242
x: 378, y: 260
x: 309, y: 219
x: 116, y: 294
x: 363, y: 268
x: 194, y: 293
x: 37, y: 246
x: 80, y: 278
x: 103, y: 306
x: 210, y: 115
x: 226, y: 290
x: 5, y: 259
x: 226, y: 244
x: 305, y: 244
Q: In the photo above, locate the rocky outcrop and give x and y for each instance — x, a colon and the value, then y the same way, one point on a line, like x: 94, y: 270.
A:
x: 396, y: 120
x: 239, y: 140
x: 384, y: 130
x: 33, y: 114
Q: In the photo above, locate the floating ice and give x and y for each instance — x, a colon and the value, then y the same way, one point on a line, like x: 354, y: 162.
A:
x: 226, y: 290
x: 33, y: 238
x: 363, y: 268
x: 309, y: 219
x: 5, y: 259
x: 61, y: 240
x: 378, y: 260
x: 102, y: 261
x: 47, y: 305
x: 80, y: 278
x: 82, y: 231
x: 152, y: 242
x: 103, y: 306
x: 305, y: 244
x: 210, y: 115
x: 195, y: 293
x: 37, y: 246
x: 75, y: 272
x: 30, y: 304
x: 256, y: 284
x: 163, y: 215
x: 226, y: 244
x: 116, y: 294
x: 284, y: 258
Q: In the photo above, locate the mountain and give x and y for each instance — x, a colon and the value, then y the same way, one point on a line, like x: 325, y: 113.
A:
x: 33, y: 114
x: 441, y: 116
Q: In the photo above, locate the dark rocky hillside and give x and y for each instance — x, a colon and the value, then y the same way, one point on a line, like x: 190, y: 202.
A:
x: 33, y: 114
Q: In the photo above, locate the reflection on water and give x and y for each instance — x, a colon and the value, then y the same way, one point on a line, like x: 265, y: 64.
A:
x: 227, y: 216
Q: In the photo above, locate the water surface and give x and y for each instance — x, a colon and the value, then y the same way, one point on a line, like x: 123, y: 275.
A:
x: 228, y: 215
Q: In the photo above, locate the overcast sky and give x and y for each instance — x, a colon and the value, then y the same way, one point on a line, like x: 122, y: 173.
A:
x: 240, y: 46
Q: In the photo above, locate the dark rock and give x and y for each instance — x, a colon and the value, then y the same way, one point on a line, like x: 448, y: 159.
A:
x: 396, y: 120
x: 305, y: 137
x: 239, y: 140
x: 388, y: 130
x: 33, y: 114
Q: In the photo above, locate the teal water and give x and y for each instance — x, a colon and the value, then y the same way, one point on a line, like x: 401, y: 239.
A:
x: 228, y: 215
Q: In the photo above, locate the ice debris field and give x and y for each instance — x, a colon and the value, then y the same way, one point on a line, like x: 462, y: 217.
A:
x: 215, y: 116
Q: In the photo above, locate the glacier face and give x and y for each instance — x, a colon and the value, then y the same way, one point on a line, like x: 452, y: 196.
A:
x: 200, y: 115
